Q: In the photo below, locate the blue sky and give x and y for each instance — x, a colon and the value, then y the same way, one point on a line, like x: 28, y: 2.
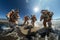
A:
x: 26, y: 7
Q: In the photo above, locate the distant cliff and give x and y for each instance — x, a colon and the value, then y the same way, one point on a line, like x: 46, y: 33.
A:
x: 3, y: 22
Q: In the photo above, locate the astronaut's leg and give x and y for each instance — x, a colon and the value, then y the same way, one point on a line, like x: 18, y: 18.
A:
x: 11, y: 26
x: 49, y: 24
x: 44, y: 23
x: 33, y: 23
x: 24, y: 22
x: 27, y: 22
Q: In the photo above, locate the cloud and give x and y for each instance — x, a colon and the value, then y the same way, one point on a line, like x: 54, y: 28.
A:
x: 48, y: 8
x: 36, y: 9
x: 27, y: 1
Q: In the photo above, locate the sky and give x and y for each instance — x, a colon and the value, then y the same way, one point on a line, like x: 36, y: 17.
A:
x: 30, y: 7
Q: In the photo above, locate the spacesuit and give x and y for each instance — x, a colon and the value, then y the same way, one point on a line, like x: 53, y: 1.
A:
x: 33, y: 18
x: 46, y: 17
x: 26, y: 18
x: 13, y: 16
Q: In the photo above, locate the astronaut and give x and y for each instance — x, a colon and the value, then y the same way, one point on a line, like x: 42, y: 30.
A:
x: 26, y: 18
x: 46, y: 17
x: 33, y: 18
x: 13, y: 17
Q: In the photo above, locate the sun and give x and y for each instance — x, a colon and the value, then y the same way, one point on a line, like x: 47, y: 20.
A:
x: 36, y: 9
